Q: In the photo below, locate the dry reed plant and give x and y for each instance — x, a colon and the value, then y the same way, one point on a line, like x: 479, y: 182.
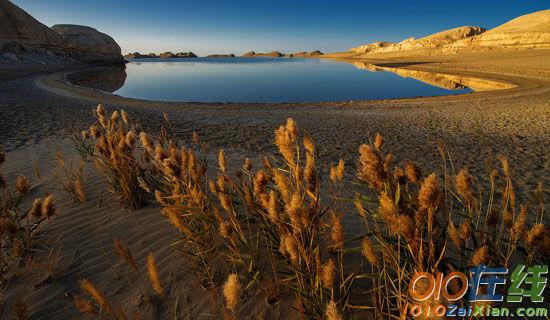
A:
x: 277, y: 229
x: 81, y: 141
x: 100, y: 306
x: 18, y: 226
x: 116, y: 157
x: 70, y: 178
x: 414, y: 226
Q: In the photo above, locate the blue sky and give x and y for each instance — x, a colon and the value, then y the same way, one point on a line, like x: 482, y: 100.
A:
x: 208, y: 26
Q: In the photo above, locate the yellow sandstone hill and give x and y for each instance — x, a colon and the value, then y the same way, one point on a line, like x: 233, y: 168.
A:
x: 436, y: 40
x: 530, y: 31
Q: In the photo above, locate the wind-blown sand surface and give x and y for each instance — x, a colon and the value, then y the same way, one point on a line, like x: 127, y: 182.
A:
x: 474, y: 127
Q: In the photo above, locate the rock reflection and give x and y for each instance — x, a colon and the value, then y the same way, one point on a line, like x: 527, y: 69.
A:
x: 105, y: 79
x: 445, y: 81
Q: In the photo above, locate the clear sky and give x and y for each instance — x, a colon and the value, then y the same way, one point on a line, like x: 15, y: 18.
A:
x: 209, y: 26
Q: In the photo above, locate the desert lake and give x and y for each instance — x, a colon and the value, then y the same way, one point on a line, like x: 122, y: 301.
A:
x: 268, y: 80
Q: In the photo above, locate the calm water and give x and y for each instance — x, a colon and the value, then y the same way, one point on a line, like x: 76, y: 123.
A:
x: 265, y: 80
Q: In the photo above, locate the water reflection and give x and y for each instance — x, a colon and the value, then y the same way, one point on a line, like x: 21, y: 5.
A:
x: 444, y: 81
x: 272, y: 80
x: 105, y: 79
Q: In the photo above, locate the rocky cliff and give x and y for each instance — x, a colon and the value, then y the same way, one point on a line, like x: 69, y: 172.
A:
x: 19, y: 30
x: 24, y: 38
x: 87, y: 44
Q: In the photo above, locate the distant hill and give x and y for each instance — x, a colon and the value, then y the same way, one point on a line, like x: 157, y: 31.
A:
x: 436, y: 40
x: 530, y: 31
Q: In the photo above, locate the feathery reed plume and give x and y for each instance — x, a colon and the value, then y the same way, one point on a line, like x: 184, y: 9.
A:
x: 295, y: 211
x: 378, y: 142
x: 536, y: 235
x: 340, y: 170
x: 309, y: 145
x: 273, y: 208
x: 22, y: 184
x: 130, y: 139
x: 332, y: 311
x: 79, y: 191
x: 292, y: 128
x: 328, y: 271
x: 289, y: 246
x: 222, y: 161
x: 94, y: 131
x: 428, y: 197
x: 125, y: 254
x: 175, y: 220
x: 36, y: 208
x: 387, y: 209
x: 285, y: 142
x: 153, y: 274
x: 360, y: 208
x: 124, y: 117
x: 96, y: 294
x: 463, y: 185
x: 20, y: 309
x: 371, y: 168
x: 369, y: 252
x: 454, y: 235
x: 232, y: 291
x: 337, y: 232
x: 337, y: 172
x: 84, y: 306
x: 146, y: 141
x: 465, y: 230
x: 518, y: 229
x: 282, y: 186
x: 399, y: 176
x: 505, y: 165
x: 480, y: 256
x: 48, y: 207
x: 412, y: 171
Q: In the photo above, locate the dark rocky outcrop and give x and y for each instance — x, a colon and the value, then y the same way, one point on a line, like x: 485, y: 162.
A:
x: 186, y: 55
x: 249, y: 54
x: 19, y: 30
x: 89, y: 45
x: 277, y: 54
x: 221, y: 56
x: 24, y: 38
x: 169, y: 54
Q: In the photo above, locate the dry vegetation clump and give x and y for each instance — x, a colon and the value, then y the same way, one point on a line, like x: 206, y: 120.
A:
x: 18, y: 226
x: 70, y: 178
x: 277, y: 230
x: 116, y: 157
x: 82, y: 144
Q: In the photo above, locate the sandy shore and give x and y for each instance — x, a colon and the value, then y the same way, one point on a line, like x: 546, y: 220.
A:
x: 475, y: 128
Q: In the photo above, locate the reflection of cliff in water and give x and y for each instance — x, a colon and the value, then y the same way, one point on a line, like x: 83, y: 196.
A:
x: 445, y: 81
x: 105, y: 79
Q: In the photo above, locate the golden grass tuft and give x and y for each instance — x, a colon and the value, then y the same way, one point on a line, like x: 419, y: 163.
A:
x: 98, y: 296
x: 232, y: 291
x: 153, y: 274
x: 332, y: 311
